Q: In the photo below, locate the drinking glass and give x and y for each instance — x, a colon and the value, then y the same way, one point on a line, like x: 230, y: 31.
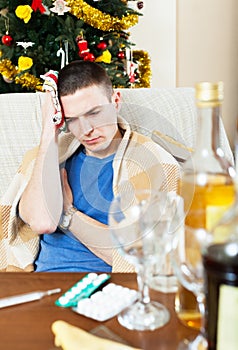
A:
x: 188, y: 245
x: 162, y: 277
x: 134, y: 220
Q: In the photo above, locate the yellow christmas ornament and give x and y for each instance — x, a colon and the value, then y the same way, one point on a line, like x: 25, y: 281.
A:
x: 24, y: 12
x: 106, y: 57
x: 24, y: 63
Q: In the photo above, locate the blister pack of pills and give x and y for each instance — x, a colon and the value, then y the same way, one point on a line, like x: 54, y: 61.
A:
x: 107, y: 303
x: 82, y: 289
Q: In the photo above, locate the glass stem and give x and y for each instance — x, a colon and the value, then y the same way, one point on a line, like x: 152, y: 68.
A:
x: 142, y: 284
x: 201, y: 306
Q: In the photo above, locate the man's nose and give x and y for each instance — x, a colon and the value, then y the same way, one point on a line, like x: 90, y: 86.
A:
x: 85, y: 125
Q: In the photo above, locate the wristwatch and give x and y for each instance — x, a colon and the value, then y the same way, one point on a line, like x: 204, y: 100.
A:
x: 66, y: 218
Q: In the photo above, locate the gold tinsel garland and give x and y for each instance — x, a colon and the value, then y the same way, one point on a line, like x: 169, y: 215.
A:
x: 27, y: 79
x: 143, y: 59
x: 98, y: 19
x: 7, y: 69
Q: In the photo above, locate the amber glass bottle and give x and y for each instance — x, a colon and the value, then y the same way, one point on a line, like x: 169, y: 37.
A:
x: 221, y: 289
x: 207, y: 183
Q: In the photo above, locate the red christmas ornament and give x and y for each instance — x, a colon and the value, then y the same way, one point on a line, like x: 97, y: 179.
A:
x: 121, y: 55
x: 102, y: 45
x: 140, y: 5
x: 7, y: 40
x: 83, y: 47
x: 89, y: 57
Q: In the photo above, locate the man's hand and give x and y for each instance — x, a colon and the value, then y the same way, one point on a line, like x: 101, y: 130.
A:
x: 48, y: 112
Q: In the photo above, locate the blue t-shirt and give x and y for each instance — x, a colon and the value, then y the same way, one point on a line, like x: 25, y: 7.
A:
x: 90, y: 179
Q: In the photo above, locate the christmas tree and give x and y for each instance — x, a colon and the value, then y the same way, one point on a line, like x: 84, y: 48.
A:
x: 42, y: 35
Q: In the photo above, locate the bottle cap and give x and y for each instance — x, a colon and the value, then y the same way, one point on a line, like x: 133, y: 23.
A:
x: 209, y: 93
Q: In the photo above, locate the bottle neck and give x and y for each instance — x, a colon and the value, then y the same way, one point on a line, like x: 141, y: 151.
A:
x: 208, y: 135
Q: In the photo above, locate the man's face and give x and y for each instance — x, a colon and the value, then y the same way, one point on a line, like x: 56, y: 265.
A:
x: 92, y: 119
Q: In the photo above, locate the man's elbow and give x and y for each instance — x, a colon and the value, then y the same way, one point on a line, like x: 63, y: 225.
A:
x: 41, y: 227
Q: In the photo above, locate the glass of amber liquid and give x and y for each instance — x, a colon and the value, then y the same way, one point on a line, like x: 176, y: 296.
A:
x: 187, y: 263
x: 186, y: 308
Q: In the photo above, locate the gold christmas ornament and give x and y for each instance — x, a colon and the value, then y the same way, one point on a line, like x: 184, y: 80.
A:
x: 4, y: 12
x: 98, y: 19
x: 7, y: 80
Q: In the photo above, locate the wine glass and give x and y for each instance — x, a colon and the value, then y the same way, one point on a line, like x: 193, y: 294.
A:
x: 187, y: 261
x: 137, y: 234
x: 162, y: 277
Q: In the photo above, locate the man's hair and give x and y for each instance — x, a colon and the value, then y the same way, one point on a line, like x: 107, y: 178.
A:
x: 82, y: 74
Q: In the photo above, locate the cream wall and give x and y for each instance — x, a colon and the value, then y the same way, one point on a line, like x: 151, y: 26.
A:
x: 207, y: 49
x: 156, y: 33
x: 190, y: 41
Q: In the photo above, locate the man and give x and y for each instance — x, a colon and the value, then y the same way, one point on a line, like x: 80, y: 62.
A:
x: 67, y: 205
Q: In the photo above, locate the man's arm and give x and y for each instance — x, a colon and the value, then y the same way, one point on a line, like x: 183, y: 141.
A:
x: 93, y: 234
x: 42, y: 201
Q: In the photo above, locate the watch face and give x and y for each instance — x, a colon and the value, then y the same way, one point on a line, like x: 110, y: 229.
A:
x: 65, y: 221
x: 66, y: 218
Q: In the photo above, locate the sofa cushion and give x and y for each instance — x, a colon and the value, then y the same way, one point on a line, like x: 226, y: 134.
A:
x: 166, y: 110
x: 20, y: 130
x: 171, y: 111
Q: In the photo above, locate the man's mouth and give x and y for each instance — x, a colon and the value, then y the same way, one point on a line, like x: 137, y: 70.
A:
x: 92, y: 141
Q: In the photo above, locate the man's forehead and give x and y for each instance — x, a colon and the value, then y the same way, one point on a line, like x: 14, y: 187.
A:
x: 98, y: 108
x: 82, y: 103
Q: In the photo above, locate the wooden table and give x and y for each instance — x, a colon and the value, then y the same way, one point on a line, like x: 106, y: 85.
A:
x: 28, y: 326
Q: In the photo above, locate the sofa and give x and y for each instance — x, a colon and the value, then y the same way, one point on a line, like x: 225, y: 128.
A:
x: 168, y: 115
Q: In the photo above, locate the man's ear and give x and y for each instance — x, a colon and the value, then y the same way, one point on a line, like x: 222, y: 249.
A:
x: 116, y: 100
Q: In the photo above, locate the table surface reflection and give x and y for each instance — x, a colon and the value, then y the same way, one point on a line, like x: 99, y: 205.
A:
x: 28, y: 326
